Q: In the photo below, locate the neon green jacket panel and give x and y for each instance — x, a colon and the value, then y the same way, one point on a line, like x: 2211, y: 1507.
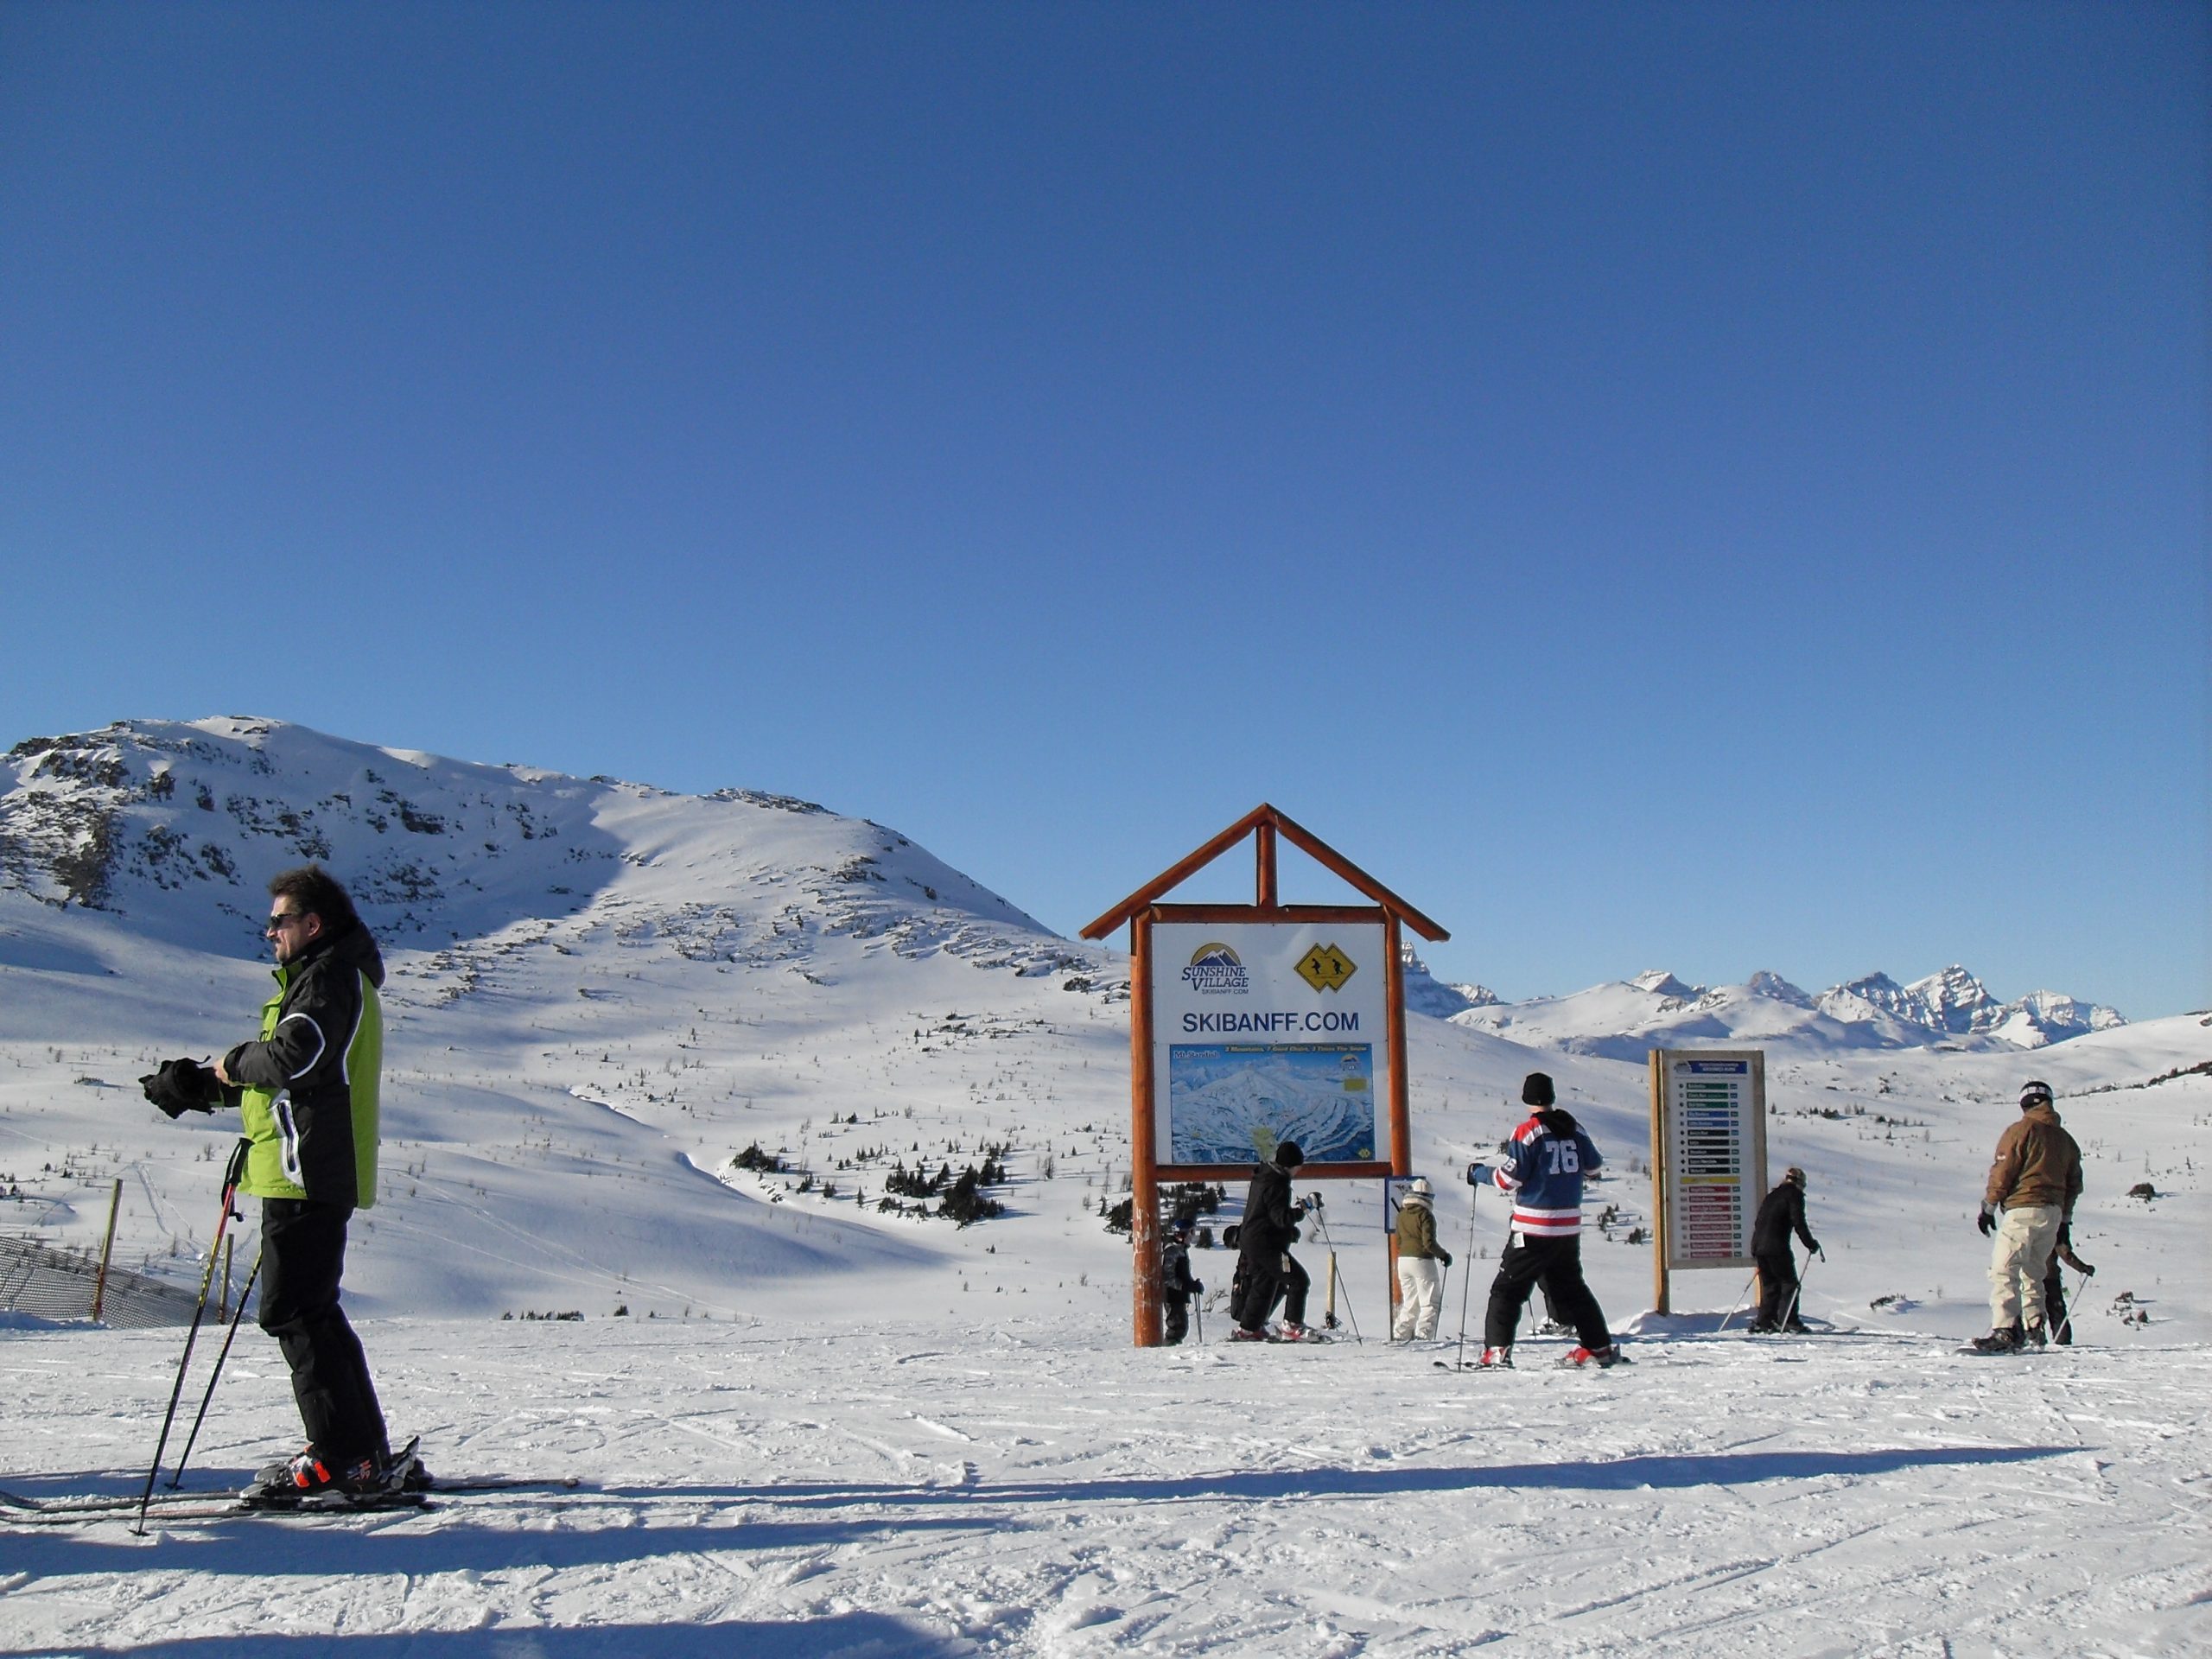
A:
x: 311, y: 1082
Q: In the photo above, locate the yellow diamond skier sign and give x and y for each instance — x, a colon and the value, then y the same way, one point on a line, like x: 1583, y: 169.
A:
x: 1325, y: 968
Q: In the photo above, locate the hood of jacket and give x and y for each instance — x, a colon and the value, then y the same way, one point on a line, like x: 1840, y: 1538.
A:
x: 353, y: 948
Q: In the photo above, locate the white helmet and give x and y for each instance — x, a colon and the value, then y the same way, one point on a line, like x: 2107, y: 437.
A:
x: 1421, y: 1186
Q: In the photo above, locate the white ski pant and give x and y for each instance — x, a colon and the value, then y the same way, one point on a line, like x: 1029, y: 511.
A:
x: 1420, y: 1299
x: 2026, y: 1238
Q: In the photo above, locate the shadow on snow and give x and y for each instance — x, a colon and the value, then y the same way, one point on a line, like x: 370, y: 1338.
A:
x: 801, y: 1516
x: 874, y: 1635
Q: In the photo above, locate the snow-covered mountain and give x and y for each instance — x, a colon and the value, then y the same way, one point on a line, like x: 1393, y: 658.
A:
x: 1623, y: 1019
x: 169, y: 829
x: 1955, y: 1003
x: 1424, y: 994
x: 603, y: 996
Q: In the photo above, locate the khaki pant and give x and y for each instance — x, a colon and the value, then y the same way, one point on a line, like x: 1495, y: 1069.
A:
x: 1420, y: 1299
x: 2025, y: 1237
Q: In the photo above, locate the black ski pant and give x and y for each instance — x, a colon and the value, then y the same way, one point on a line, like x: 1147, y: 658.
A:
x: 1267, y: 1279
x: 2054, y: 1305
x: 1175, y: 1321
x: 1556, y: 1263
x: 302, y: 1257
x: 1777, y: 1288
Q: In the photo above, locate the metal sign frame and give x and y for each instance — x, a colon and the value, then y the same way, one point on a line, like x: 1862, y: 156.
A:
x: 1715, y: 1141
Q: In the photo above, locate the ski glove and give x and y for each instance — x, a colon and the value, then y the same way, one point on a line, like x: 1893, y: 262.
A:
x: 182, y: 1086
x: 1478, y: 1174
x: 1445, y: 1256
x: 1817, y: 1250
x: 1988, y: 1221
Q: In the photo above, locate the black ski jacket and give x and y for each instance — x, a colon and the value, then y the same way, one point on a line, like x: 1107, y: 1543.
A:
x: 1780, y: 1213
x: 1270, y: 1224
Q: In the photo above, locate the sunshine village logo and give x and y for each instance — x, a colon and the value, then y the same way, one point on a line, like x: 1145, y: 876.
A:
x: 1216, y: 971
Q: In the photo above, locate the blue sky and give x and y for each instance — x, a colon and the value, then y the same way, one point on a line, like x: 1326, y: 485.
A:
x: 1709, y: 486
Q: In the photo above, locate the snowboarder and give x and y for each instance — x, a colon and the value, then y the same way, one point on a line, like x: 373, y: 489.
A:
x: 1177, y: 1287
x: 306, y: 1090
x: 1550, y: 1155
x: 1780, y: 1213
x: 1265, y: 1267
x: 2029, y: 1196
x: 1421, y: 1261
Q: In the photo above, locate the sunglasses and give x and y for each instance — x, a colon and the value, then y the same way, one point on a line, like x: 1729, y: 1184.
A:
x: 276, y: 922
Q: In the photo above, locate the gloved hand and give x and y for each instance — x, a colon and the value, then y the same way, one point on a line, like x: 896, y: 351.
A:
x: 182, y: 1086
x: 1197, y: 1289
x: 1816, y: 1248
x: 1445, y: 1256
x: 1478, y: 1174
x: 1988, y: 1221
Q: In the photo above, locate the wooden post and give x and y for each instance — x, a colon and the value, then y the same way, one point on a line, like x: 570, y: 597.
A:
x: 1144, y: 1180
x: 1662, y: 1180
x: 1402, y: 1109
x: 107, y: 1247
x: 1263, y: 853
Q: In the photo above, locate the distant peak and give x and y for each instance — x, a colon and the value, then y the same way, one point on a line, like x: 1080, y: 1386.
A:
x: 1660, y: 983
x: 1765, y: 984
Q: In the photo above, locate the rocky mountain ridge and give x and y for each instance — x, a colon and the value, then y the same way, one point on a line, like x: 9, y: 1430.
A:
x: 170, y: 828
x: 1949, y: 1009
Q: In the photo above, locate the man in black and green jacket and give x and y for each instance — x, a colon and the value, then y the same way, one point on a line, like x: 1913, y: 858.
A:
x: 306, y: 1088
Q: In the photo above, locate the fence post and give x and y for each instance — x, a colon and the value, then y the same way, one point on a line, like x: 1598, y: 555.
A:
x: 107, y: 1245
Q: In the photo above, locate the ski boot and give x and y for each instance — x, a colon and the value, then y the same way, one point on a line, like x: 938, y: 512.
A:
x: 1605, y: 1357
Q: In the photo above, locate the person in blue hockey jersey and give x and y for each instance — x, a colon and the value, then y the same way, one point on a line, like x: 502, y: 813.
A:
x: 1550, y: 1155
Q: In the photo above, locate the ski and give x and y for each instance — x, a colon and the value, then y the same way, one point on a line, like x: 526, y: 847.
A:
x: 215, y: 1506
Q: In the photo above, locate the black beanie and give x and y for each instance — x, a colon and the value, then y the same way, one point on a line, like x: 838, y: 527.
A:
x: 1289, y: 1155
x: 1537, y: 1090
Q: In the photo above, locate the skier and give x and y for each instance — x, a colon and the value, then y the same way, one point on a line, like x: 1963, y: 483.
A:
x: 1780, y: 1213
x: 306, y: 1090
x: 2060, y: 1327
x: 1176, y: 1285
x: 2033, y: 1183
x: 1551, y: 1154
x: 1265, y: 1267
x: 1421, y: 1261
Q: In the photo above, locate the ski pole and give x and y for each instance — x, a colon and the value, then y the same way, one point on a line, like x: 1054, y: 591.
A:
x: 230, y: 1335
x: 1742, y: 1296
x: 2067, y: 1323
x: 230, y: 1177
x: 1330, y: 1244
x: 1790, y: 1312
x: 1467, y: 1281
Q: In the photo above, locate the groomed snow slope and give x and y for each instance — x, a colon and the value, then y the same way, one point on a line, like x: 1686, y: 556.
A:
x: 1017, y: 1485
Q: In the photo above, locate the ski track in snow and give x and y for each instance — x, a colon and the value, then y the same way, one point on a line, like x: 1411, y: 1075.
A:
x: 792, y: 1490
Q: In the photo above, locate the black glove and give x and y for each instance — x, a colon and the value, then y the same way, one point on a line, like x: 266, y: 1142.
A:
x: 1815, y: 1247
x: 1197, y: 1289
x: 1987, y: 1222
x: 182, y: 1086
x: 1445, y: 1256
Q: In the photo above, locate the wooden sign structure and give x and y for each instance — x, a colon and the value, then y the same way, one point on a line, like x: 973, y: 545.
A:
x: 1708, y: 1160
x: 1263, y: 1020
